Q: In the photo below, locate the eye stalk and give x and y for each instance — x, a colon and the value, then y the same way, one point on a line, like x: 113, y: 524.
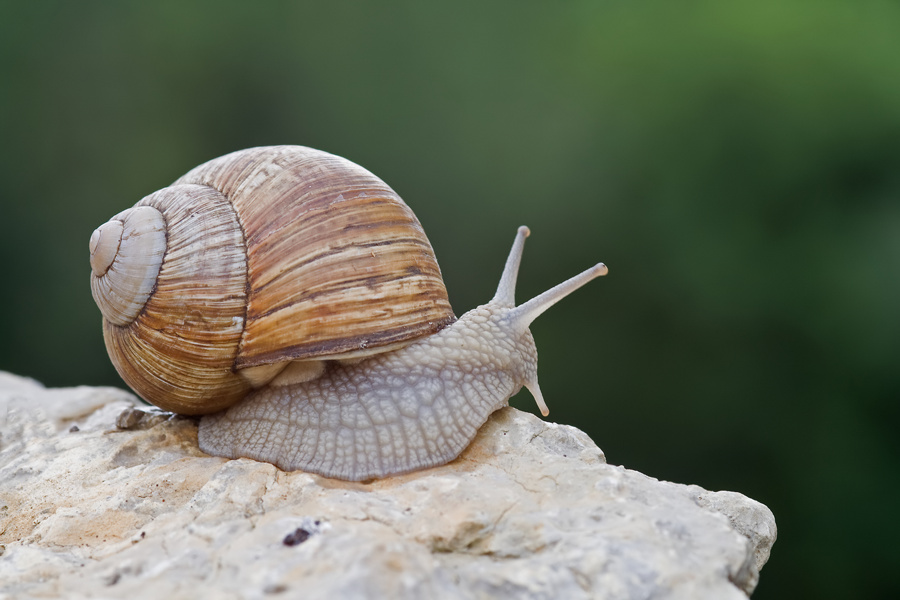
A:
x: 520, y: 317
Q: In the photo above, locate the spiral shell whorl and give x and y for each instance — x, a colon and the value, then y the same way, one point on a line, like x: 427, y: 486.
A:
x: 262, y: 256
x: 337, y: 263
x: 105, y: 242
x: 126, y: 254
x: 178, y: 353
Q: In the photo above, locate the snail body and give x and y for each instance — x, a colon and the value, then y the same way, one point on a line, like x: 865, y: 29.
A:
x: 407, y: 390
x: 412, y: 408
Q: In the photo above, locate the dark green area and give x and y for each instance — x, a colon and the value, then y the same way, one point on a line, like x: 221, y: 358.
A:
x: 736, y: 164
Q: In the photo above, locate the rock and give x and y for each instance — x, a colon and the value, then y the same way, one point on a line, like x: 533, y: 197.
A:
x: 529, y: 510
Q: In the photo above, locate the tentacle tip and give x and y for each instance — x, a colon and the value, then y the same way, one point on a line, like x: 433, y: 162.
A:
x: 600, y: 269
x: 535, y: 390
x: 524, y: 231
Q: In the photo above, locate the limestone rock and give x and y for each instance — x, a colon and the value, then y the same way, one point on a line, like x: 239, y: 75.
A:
x: 89, y: 509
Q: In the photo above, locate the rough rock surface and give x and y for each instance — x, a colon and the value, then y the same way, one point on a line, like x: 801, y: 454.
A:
x: 98, y: 500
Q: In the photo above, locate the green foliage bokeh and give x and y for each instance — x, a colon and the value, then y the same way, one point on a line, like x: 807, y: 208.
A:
x: 736, y: 164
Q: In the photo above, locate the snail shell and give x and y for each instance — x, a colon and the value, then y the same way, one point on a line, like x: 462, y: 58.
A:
x: 210, y: 286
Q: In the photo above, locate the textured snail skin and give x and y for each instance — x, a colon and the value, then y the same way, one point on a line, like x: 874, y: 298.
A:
x: 396, y: 412
x: 416, y: 407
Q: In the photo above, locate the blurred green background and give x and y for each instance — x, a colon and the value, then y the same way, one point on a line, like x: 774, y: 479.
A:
x: 736, y: 164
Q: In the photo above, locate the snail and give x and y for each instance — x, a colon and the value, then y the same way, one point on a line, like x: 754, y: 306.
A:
x: 292, y: 298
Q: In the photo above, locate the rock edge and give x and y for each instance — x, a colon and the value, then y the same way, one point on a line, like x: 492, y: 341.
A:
x: 529, y: 510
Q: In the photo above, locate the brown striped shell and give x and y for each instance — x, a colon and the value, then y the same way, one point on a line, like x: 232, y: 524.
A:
x: 256, y: 258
